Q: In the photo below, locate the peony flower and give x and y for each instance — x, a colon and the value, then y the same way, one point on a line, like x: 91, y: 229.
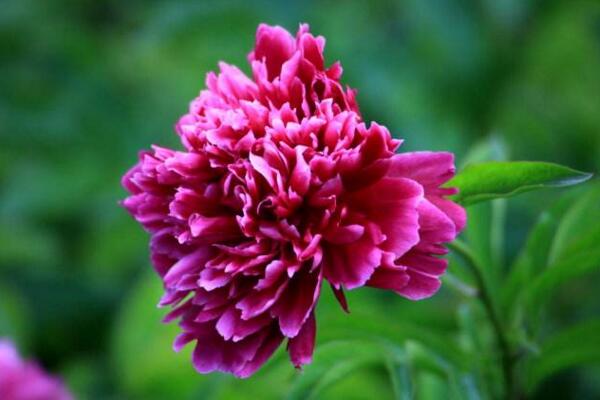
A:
x: 24, y: 380
x: 280, y: 188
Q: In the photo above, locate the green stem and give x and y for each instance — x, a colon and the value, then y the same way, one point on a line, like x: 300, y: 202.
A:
x: 507, y: 360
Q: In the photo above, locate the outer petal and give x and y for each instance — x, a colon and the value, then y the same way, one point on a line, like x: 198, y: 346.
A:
x: 453, y: 210
x: 430, y: 169
x: 420, y: 285
x: 301, y: 347
x: 268, y: 346
x: 213, y: 353
x: 425, y: 263
x: 297, y: 302
x: 391, y: 203
x: 434, y: 225
x: 390, y: 278
x: 351, y: 265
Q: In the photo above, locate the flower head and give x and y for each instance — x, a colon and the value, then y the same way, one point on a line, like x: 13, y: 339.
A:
x: 24, y: 380
x: 282, y: 186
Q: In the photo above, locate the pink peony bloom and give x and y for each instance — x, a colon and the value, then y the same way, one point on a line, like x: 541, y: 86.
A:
x: 281, y: 187
x: 23, y: 380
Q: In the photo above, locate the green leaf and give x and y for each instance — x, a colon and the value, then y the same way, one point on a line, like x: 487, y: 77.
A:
x: 574, y: 346
x: 485, y: 240
x: 575, y: 227
x: 332, y: 362
x: 476, y: 338
x: 372, y: 379
x: 466, y: 386
x: 423, y: 358
x: 577, y: 265
x: 360, y: 325
x: 400, y: 373
x: 561, y: 232
x: 430, y: 386
x: 533, y: 258
x: 497, y: 179
x: 429, y: 322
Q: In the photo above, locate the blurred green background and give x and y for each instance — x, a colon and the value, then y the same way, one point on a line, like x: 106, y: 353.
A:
x: 86, y: 84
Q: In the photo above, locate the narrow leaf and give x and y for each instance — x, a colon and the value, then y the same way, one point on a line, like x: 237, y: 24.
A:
x: 332, y: 362
x: 400, y: 373
x: 533, y: 257
x: 362, y: 326
x: 576, y: 223
x: 579, y: 264
x: 574, y: 346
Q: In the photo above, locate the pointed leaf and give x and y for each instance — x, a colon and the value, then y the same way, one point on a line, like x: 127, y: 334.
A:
x: 497, y: 179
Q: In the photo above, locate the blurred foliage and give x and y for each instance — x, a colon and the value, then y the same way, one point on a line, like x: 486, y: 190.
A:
x: 85, y: 84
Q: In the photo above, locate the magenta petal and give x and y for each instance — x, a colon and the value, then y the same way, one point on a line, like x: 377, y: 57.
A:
x: 424, y: 262
x: 181, y: 340
x: 275, y: 45
x: 260, y: 301
x: 434, y: 225
x: 191, y: 263
x: 391, y: 203
x: 430, y: 169
x: 208, y: 356
x: 213, y: 229
x: 346, y: 234
x: 351, y: 265
x: 266, y: 349
x: 226, y: 324
x: 213, y: 353
x: 296, y: 303
x: 232, y: 327
x: 420, y: 285
x: 301, y: 175
x: 389, y: 278
x: 456, y: 213
x: 301, y: 347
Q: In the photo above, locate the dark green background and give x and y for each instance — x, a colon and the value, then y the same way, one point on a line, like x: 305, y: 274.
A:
x: 86, y: 84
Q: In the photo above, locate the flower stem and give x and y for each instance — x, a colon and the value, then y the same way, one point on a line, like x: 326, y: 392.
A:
x: 484, y: 294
